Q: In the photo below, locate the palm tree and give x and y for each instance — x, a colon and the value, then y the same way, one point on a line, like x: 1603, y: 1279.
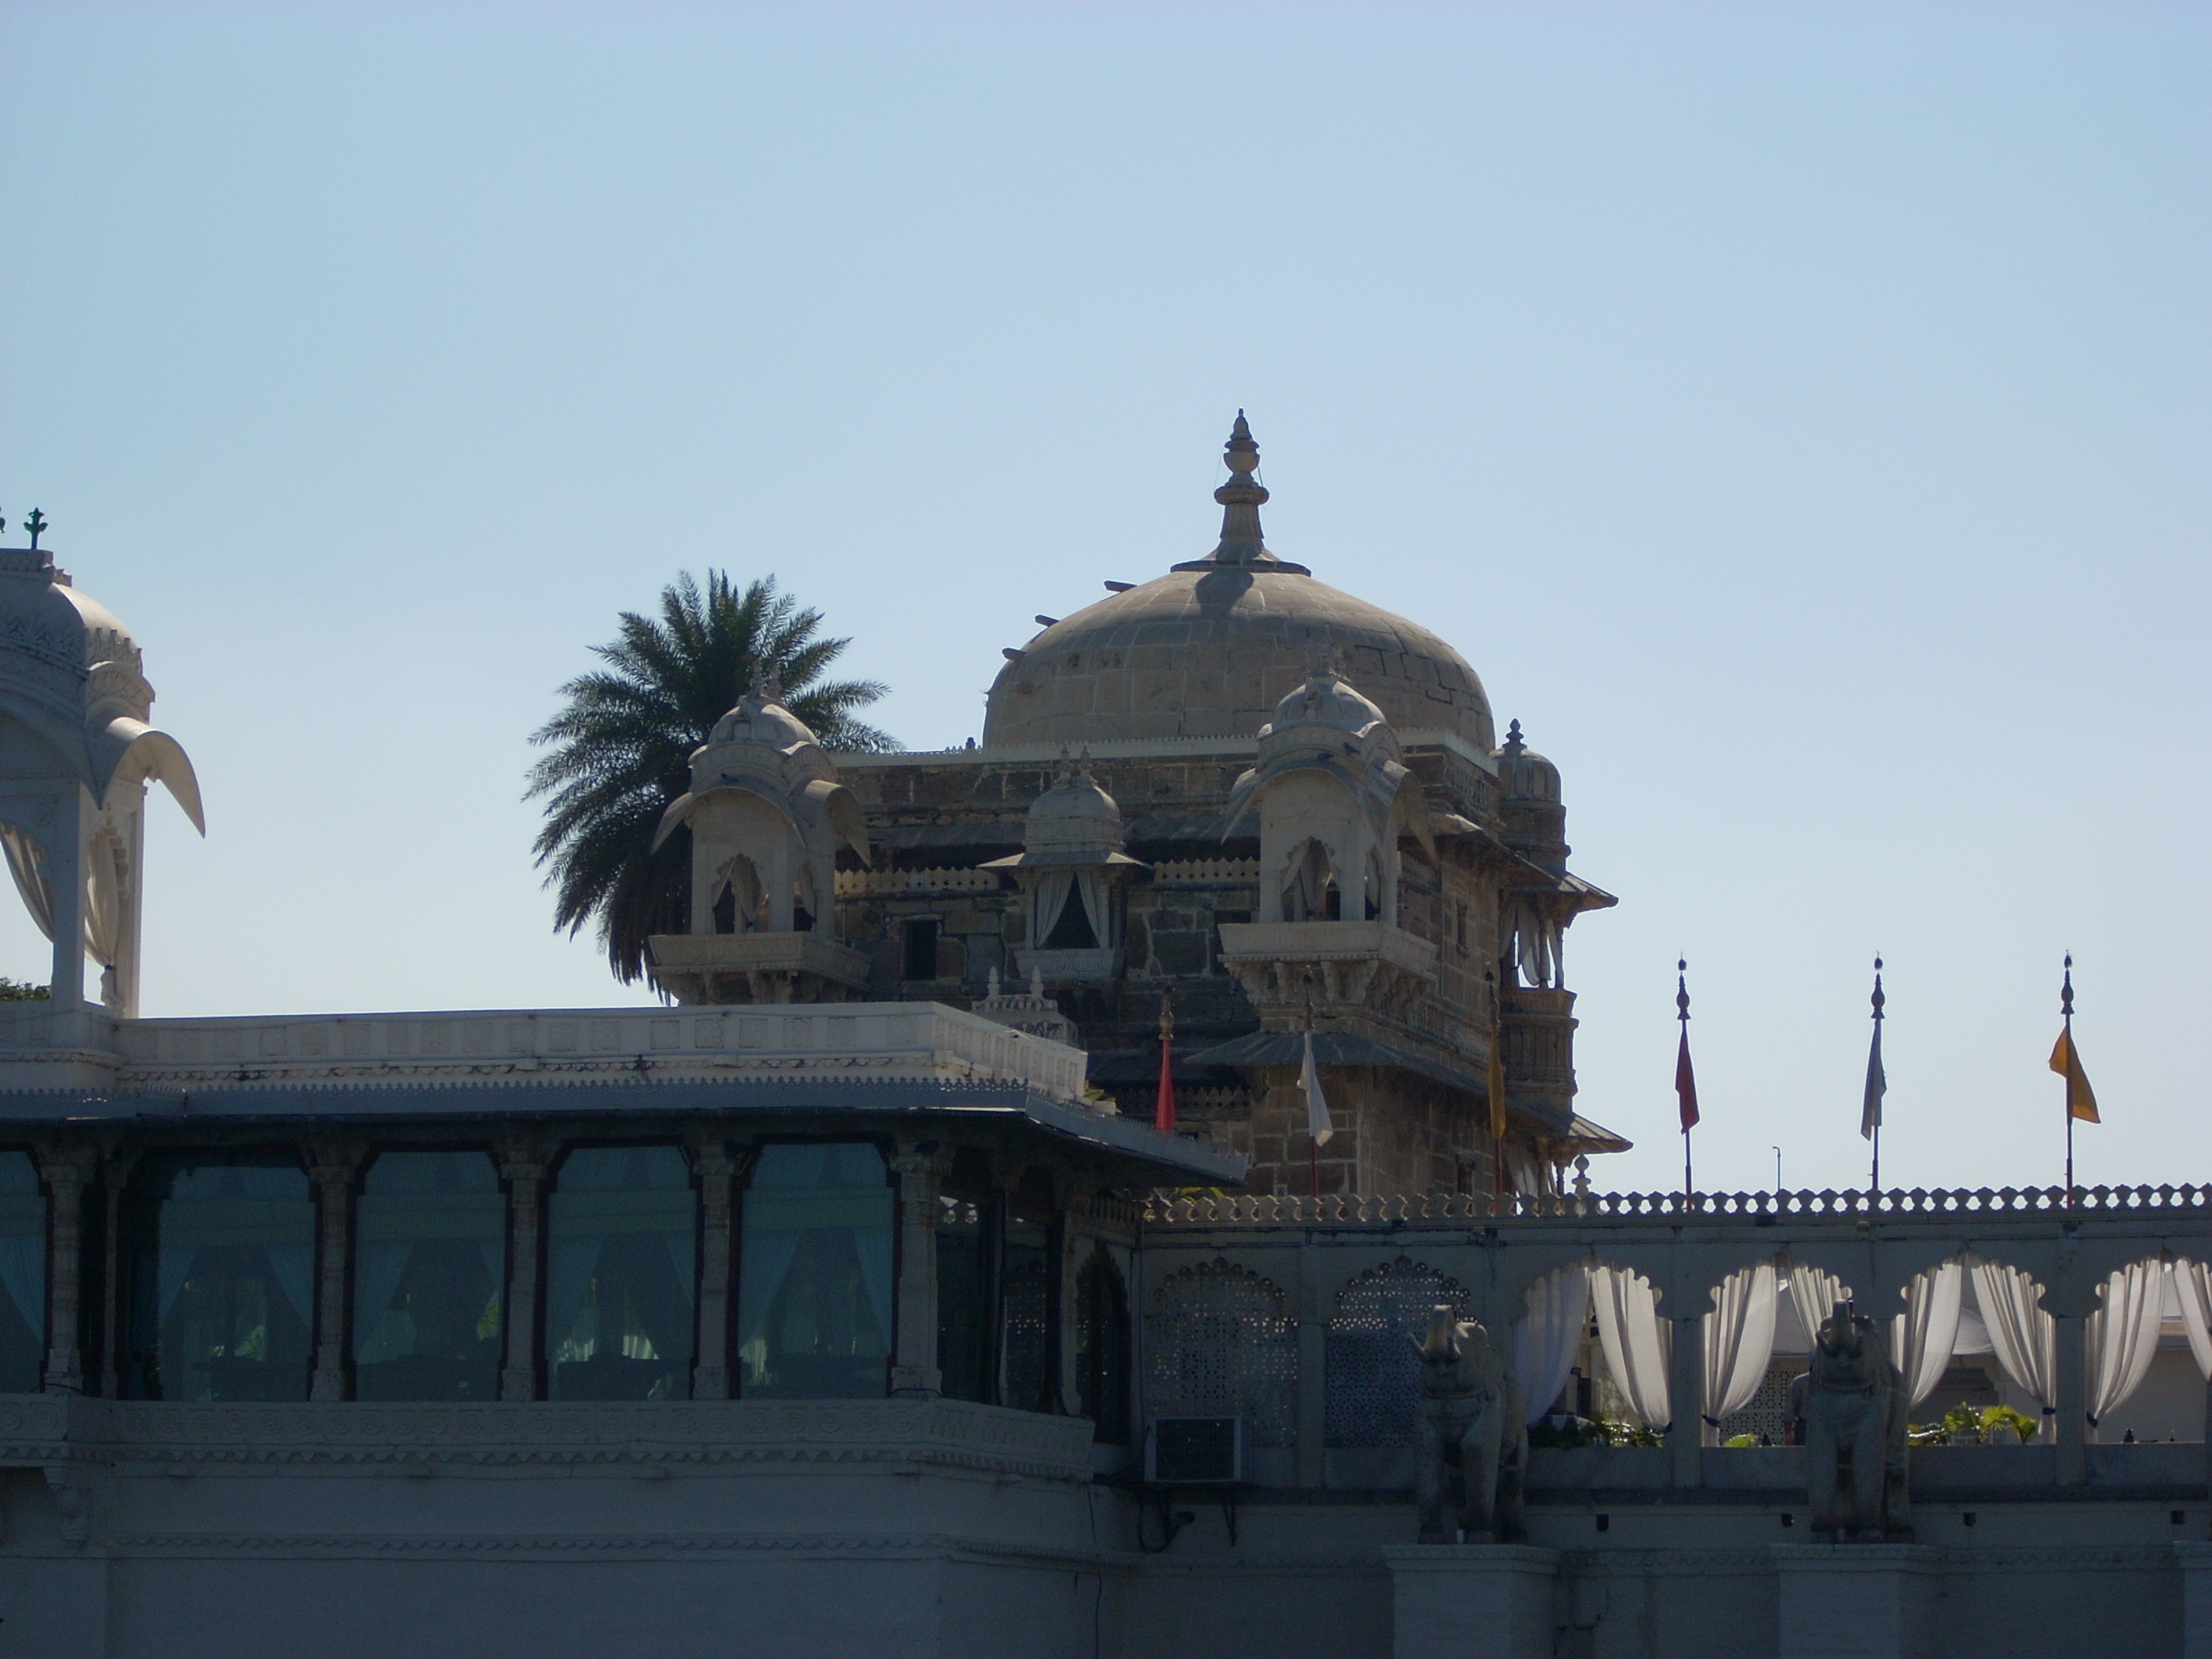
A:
x: 620, y: 751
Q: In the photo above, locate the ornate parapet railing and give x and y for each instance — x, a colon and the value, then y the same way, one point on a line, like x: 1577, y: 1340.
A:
x: 150, y: 1436
x: 2055, y: 1203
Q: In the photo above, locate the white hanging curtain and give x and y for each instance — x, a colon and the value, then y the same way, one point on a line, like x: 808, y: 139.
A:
x: 1924, y: 1337
x: 103, y: 893
x: 1814, y: 1292
x: 1546, y: 1338
x: 1738, y: 1340
x: 1639, y: 1345
x: 2024, y: 1338
x: 1053, y: 887
x: 1096, y: 892
x: 2192, y: 1285
x: 2122, y: 1336
x: 23, y: 864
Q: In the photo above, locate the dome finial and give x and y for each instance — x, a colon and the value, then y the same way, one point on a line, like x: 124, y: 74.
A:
x: 1240, y: 500
x: 1515, y: 742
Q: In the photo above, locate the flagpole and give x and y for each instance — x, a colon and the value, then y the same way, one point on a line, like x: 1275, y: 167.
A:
x: 1682, y: 1014
x: 2066, y: 1011
x: 1873, y: 1179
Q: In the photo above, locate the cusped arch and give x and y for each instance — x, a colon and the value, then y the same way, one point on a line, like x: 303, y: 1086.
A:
x: 1222, y: 1342
x: 1372, y: 1387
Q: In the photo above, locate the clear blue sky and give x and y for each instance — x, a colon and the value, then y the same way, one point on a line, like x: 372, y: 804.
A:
x: 1799, y: 415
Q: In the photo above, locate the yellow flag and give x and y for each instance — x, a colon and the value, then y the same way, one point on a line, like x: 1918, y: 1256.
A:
x: 2080, y: 1098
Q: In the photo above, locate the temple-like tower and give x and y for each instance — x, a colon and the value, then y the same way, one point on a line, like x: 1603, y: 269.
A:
x: 1292, y: 813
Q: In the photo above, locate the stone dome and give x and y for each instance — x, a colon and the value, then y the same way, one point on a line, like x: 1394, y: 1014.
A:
x: 1211, y: 648
x: 1324, y: 699
x: 1523, y: 774
x: 1075, y: 815
x: 760, y: 718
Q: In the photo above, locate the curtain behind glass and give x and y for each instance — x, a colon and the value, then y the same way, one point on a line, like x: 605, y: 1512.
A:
x: 429, y: 1264
x: 622, y: 1228
x: 22, y: 1274
x: 222, y: 1280
x: 814, y: 1274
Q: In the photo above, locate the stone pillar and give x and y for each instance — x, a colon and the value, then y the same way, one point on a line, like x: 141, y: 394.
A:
x: 1685, y: 1391
x: 1473, y: 1600
x: 67, y: 1171
x: 522, y: 1165
x: 915, y: 1373
x: 2073, y: 1402
x: 1856, y: 1600
x: 1075, y: 1249
x: 64, y: 868
x: 114, y: 1178
x: 717, y: 1171
x: 332, y: 1168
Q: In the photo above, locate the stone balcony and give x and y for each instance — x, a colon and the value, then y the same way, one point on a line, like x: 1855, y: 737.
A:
x: 711, y: 969
x: 1341, y: 968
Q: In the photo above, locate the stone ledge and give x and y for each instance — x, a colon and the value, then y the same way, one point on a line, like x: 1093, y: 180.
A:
x: 37, y: 1431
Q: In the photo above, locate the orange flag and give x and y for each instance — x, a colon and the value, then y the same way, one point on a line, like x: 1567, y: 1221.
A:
x: 2080, y: 1098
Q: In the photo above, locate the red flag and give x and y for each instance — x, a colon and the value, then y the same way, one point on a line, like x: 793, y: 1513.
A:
x: 1164, y: 1112
x: 1164, y: 1109
x: 1686, y: 1083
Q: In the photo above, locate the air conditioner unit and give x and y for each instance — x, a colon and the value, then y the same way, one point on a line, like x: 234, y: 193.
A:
x: 1195, y: 1451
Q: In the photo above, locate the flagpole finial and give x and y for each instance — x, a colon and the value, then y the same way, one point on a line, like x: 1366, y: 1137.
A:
x: 1682, y: 989
x: 2066, y: 989
x: 1879, y: 1000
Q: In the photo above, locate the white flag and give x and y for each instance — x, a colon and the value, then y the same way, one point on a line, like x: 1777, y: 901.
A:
x: 1317, y: 1123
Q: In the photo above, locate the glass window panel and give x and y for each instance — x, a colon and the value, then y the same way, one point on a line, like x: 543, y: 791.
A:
x: 963, y: 1290
x: 1030, y: 1281
x: 222, y: 1280
x: 430, y: 1270
x: 621, y: 1272
x: 814, y: 1274
x: 22, y: 1274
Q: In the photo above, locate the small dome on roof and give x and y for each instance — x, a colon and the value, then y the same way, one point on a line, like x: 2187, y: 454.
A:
x: 1523, y: 774
x: 1075, y: 815
x: 1323, y: 699
x: 760, y: 717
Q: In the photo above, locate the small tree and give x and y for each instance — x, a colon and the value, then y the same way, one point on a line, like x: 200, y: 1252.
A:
x: 620, y: 751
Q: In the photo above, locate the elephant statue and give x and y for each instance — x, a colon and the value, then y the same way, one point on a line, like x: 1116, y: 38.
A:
x: 1473, y: 1448
x: 1855, y: 1433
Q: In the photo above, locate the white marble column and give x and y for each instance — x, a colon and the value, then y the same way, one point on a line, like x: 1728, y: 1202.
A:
x: 522, y: 1165
x: 914, y: 1372
x: 1685, y: 1392
x: 332, y: 1167
x: 2071, y: 1352
x: 67, y: 1171
x: 716, y: 1170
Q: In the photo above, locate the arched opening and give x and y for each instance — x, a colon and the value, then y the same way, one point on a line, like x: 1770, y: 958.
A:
x: 1102, y: 1348
x: 737, y: 897
x: 1309, y: 891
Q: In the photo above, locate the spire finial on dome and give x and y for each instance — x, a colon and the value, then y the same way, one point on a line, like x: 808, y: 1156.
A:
x: 1515, y: 744
x: 1240, y: 500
